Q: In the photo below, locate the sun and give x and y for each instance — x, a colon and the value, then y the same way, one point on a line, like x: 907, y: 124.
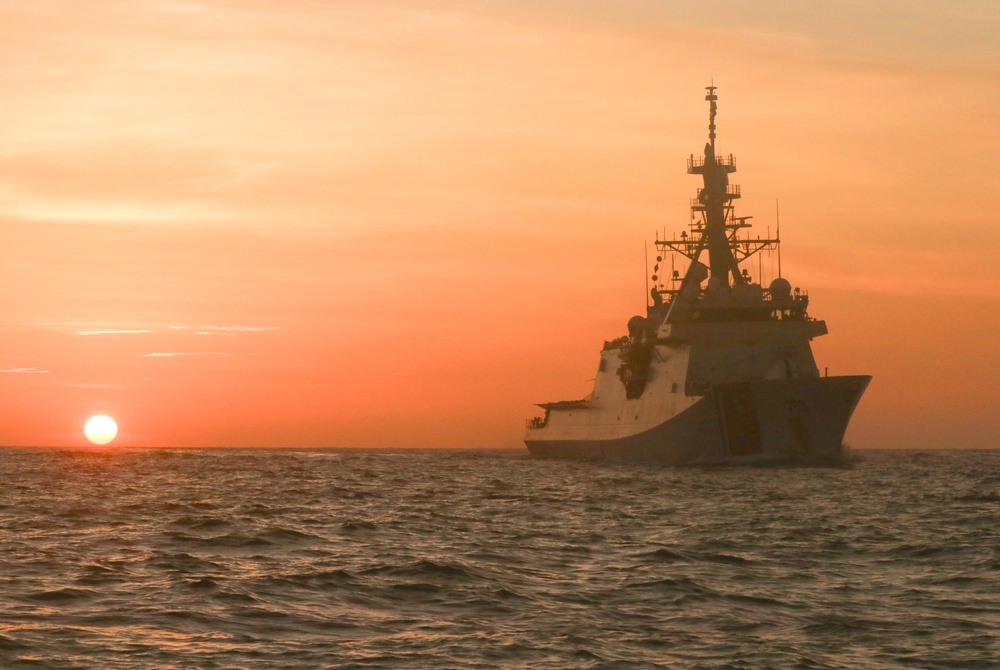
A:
x: 100, y: 429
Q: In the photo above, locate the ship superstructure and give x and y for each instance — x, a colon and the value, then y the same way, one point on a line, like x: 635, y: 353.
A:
x: 721, y: 368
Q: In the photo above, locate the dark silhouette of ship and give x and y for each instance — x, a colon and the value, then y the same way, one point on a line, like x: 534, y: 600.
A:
x: 720, y: 370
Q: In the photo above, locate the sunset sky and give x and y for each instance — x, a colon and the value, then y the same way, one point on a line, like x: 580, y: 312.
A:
x: 309, y: 223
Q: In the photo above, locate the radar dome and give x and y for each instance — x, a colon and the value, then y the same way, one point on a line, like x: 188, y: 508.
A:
x: 780, y: 289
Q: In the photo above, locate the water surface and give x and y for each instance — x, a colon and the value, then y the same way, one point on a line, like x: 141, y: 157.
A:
x: 481, y: 559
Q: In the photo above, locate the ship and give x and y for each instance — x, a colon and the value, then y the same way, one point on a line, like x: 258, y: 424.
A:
x: 720, y: 369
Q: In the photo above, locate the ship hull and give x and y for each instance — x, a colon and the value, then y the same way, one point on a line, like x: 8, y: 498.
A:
x: 755, y: 422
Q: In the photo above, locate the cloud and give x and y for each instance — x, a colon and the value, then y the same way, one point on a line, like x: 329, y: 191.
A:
x: 228, y: 330
x: 224, y: 329
x: 170, y: 354
x: 29, y: 371
x: 198, y: 330
x: 112, y: 332
x: 238, y: 329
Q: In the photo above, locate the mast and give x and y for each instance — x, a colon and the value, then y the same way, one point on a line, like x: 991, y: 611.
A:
x: 714, y: 200
x: 715, y: 229
x: 713, y: 109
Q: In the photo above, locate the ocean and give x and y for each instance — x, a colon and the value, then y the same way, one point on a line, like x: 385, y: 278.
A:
x: 132, y: 558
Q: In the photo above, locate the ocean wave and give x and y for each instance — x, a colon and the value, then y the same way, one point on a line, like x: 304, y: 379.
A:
x: 483, y: 559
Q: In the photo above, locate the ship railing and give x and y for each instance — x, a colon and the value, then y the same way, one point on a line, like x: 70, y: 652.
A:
x: 799, y: 295
x: 732, y: 191
x: 699, y: 161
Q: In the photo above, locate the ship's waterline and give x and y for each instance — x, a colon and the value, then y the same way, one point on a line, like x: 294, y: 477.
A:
x: 720, y: 370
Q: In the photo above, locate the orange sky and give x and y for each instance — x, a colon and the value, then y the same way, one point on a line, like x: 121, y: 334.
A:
x: 238, y: 222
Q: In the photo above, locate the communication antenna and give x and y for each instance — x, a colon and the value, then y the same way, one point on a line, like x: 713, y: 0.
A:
x: 777, y: 232
x: 645, y: 251
x: 760, y: 267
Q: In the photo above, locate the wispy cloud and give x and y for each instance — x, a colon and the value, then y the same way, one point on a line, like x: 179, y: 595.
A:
x: 112, y: 332
x: 236, y: 329
x: 197, y: 330
x: 27, y: 371
x: 224, y: 330
x: 171, y: 354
